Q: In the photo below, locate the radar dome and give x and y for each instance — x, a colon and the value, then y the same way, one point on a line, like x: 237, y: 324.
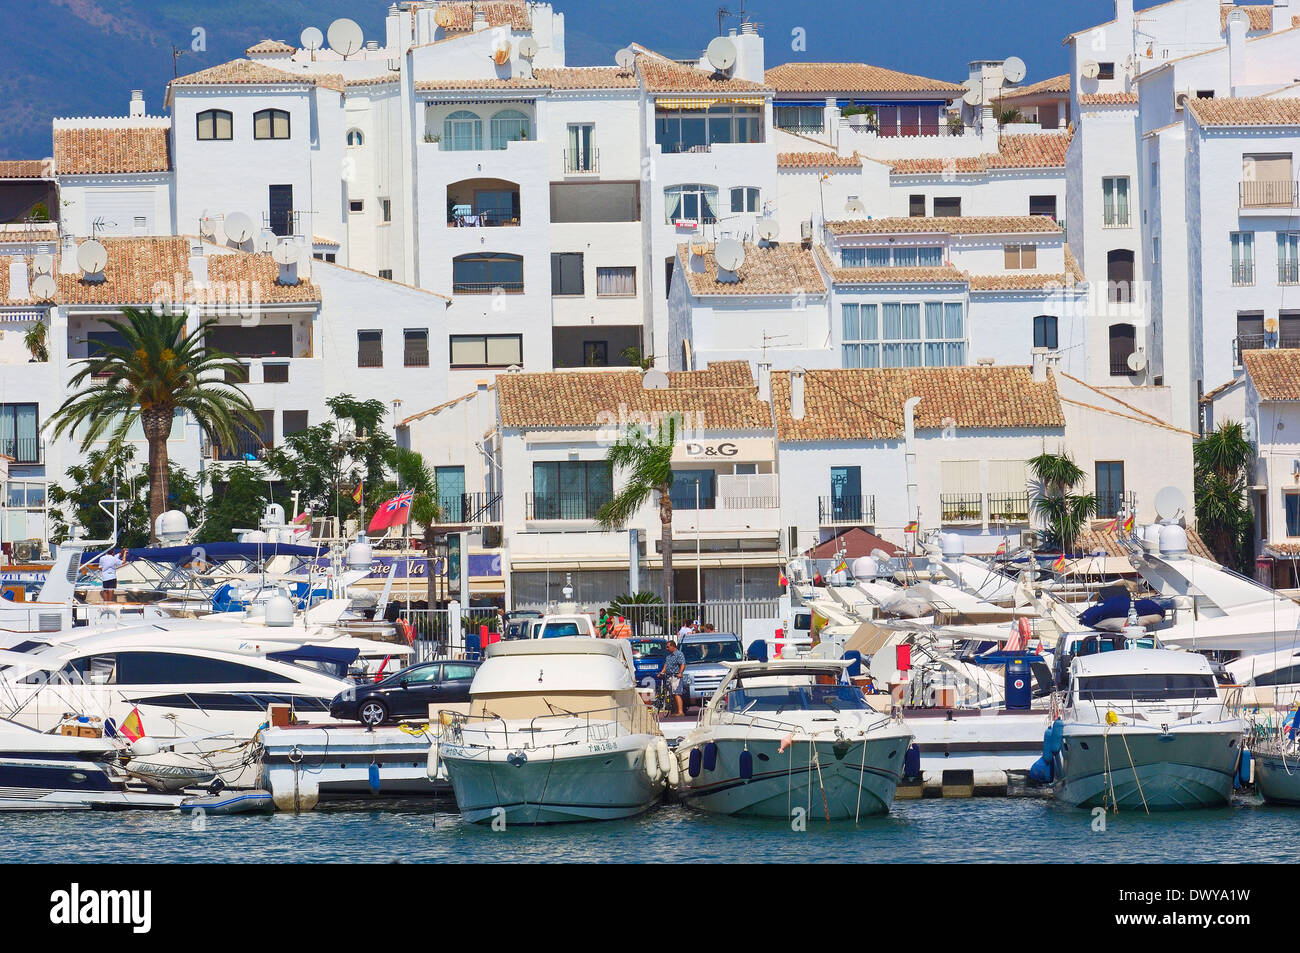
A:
x: 279, y: 612
x: 865, y: 567
x: 952, y: 546
x: 360, y: 555
x: 171, y: 526
x: 1173, y: 540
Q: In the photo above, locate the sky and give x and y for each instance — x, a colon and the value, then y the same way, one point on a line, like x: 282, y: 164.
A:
x: 83, y: 57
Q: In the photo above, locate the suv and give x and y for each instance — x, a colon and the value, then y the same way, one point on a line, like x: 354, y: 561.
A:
x: 705, y: 654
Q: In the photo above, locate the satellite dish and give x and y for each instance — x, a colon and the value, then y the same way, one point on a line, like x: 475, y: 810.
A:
x: 1170, y: 503
x: 729, y: 254
x: 208, y: 226
x: 626, y: 59
x: 444, y: 17
x: 721, y: 53
x: 286, y: 253
x: 1137, y: 361
x: 266, y: 241
x: 768, y: 229
x: 501, y: 54
x: 528, y: 47
x: 1013, y: 70
x: 92, y: 256
x: 43, y: 287
x: 239, y: 227
x: 974, y: 94
x: 854, y: 207
x: 654, y: 379
x: 1090, y: 69
x: 1270, y: 325
x: 346, y: 37
x: 884, y: 665
x: 312, y: 39
x: 43, y: 264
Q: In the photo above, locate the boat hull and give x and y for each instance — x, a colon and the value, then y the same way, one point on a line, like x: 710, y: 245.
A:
x: 1184, y: 769
x: 1277, y: 780
x: 824, y: 779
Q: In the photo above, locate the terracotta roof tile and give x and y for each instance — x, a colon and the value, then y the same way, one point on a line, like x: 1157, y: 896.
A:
x: 244, y: 72
x: 851, y: 77
x: 1107, y: 541
x: 25, y: 169
x: 588, y: 398
x: 1261, y: 15
x: 817, y: 160
x: 1275, y: 372
x: 659, y: 74
x: 79, y: 151
x: 587, y: 77
x: 1057, y: 84
x: 953, y: 225
x: 868, y: 403
x: 1108, y: 99
x: 515, y: 82
x: 511, y: 13
x: 27, y: 233
x: 1246, y: 111
x: 1034, y: 150
x: 268, y: 46
x: 785, y: 268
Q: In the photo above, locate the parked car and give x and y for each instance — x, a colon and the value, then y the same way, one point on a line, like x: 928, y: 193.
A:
x: 561, y: 626
x: 648, y: 654
x: 517, y: 623
x: 705, y: 654
x: 408, y: 694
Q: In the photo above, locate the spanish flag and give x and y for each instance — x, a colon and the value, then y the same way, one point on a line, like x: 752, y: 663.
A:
x: 1059, y: 565
x: 1114, y: 525
x: 133, y: 727
x: 911, y: 527
x: 841, y: 566
x: 1002, y: 548
x: 357, y: 495
x: 1128, y: 524
x: 783, y: 581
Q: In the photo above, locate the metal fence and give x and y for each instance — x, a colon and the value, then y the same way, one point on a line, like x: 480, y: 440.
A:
x: 667, y: 620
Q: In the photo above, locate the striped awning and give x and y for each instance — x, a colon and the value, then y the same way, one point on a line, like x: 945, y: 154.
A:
x: 704, y: 102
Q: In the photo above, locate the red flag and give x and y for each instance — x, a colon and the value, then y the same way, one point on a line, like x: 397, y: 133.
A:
x: 133, y: 727
x: 394, y: 512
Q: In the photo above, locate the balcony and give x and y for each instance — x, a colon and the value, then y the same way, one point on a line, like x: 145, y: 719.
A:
x: 1110, y: 503
x: 469, y: 509
x: 247, y: 446
x: 562, y: 506
x: 1288, y: 273
x: 726, y: 514
x: 846, y: 511
x: 1257, y: 342
x: 1008, y: 507
x: 580, y: 161
x: 1242, y: 273
x: 24, y: 450
x: 482, y: 202
x: 283, y: 223
x: 1270, y: 193
x: 487, y: 288
x: 961, y: 508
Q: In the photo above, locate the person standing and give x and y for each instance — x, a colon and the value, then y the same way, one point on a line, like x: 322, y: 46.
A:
x: 109, y: 564
x: 674, y: 665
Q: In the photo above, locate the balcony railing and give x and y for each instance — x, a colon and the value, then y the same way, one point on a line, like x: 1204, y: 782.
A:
x: 1243, y: 273
x: 469, y: 509
x: 487, y: 287
x: 23, y: 449
x: 283, y: 223
x: 370, y: 357
x: 1009, y: 507
x: 1109, y: 504
x: 1270, y: 193
x: 1289, y: 340
x: 1119, y: 368
x: 246, y: 445
x: 484, y: 218
x: 803, y: 128
x: 1288, y: 273
x: 961, y: 507
x: 581, y: 161
x: 686, y: 501
x: 846, y: 510
x: 562, y: 506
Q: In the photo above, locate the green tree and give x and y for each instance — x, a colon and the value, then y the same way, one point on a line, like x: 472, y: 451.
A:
x: 413, y: 473
x: 158, y: 369
x: 1222, y: 466
x: 238, y: 500
x: 36, y: 340
x: 1064, y: 512
x: 114, y: 474
x: 645, y: 459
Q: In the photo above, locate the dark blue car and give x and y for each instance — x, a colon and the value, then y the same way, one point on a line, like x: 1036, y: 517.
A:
x: 648, y: 654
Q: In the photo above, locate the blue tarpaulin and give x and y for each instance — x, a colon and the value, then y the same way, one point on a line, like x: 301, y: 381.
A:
x: 216, y: 552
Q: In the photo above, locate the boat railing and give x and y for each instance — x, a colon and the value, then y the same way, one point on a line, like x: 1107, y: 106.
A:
x: 789, y: 727
x: 597, y: 724
x: 1134, y: 705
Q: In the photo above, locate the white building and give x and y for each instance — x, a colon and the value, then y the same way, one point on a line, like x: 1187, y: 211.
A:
x: 1272, y: 419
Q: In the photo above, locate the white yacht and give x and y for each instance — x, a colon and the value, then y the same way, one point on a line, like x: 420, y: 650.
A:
x: 1144, y: 729
x: 785, y: 734
x: 556, y: 732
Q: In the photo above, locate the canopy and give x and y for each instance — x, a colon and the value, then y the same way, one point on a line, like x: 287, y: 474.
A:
x: 316, y: 653
x: 216, y: 552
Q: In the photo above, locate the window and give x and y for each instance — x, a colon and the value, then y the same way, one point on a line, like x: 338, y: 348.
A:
x: 580, y: 156
x: 271, y: 124
x: 595, y: 353
x: 19, y: 434
x: 1123, y: 342
x: 616, y: 281
x: 355, y: 138
x: 1119, y: 275
x: 744, y: 199
x: 571, y: 489
x: 487, y: 350
x: 1205, y: 94
x: 356, y: 205
x: 293, y: 421
x: 275, y: 373
x: 695, y: 130
x: 916, y: 206
x: 462, y: 131
x: 804, y: 119
x: 1019, y: 257
x: 1114, y: 195
x: 386, y: 210
x: 328, y: 256
x: 509, y: 125
x: 1243, y: 258
x: 1110, y: 488
x: 1043, y: 205
x: 484, y: 272
x: 669, y: 264
x: 686, y: 483
x: 415, y: 350
x: 595, y: 202
x: 846, y: 494
x: 171, y: 668
x: 1045, y: 331
x: 916, y: 120
x: 141, y: 224
x: 370, y: 349
x: 280, y: 211
x: 1250, y: 331
x: 566, y: 273
x: 1155, y: 248
x: 215, y: 124
x: 1106, y: 71
x: 1288, y: 258
x: 386, y: 274
x: 450, y: 485
x: 261, y: 340
x: 947, y: 207
x: 1291, y: 504
x: 1288, y: 329
x: 893, y: 334
x: 1267, y: 180
x: 691, y: 203
x: 925, y: 256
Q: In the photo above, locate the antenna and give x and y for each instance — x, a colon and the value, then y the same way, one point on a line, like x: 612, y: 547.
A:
x: 1137, y: 361
x: 1013, y: 70
x: 855, y: 207
x: 654, y: 379
x: 266, y: 240
x: 721, y: 54
x: 525, y: 70
x: 974, y: 94
x: 346, y: 37
x: 444, y: 17
x: 239, y: 227
x: 501, y: 52
x: 626, y: 59
x: 92, y: 256
x: 43, y: 264
x: 528, y: 47
x: 312, y: 40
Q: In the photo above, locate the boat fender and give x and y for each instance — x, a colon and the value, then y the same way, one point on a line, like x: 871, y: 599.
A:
x: 434, y: 764
x: 710, y: 756
x: 1041, y: 770
x: 694, y: 763
x: 144, y: 747
x: 373, y: 778
x: 746, y: 764
x: 652, y: 762
x: 1243, y: 769
x: 1053, y: 739
x: 668, y: 761
x: 912, y: 763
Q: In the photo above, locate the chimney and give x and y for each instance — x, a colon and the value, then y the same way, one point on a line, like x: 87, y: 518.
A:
x: 198, y: 265
x: 1238, y: 24
x: 1281, y: 15
x: 288, y: 273
x: 796, y: 393
x: 19, y: 290
x: 765, y: 381
x: 750, y: 55
x: 1123, y: 12
x: 1044, y: 359
x: 137, y: 104
x: 68, y: 257
x: 480, y: 20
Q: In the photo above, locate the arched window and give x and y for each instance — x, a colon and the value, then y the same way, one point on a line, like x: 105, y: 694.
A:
x: 215, y: 124
x: 462, y: 131
x: 509, y: 125
x: 1045, y: 331
x: 1119, y: 274
x: 271, y: 124
x: 483, y: 272
x: 355, y: 138
x: 1123, y: 341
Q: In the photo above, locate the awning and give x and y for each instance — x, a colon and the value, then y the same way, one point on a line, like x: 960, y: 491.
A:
x: 316, y: 653
x: 704, y: 102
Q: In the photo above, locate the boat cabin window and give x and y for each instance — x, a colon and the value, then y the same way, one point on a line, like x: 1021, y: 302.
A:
x: 778, y: 698
x: 1097, y: 644
x: 162, y: 668
x: 722, y: 650
x: 1149, y: 686
x: 1288, y: 675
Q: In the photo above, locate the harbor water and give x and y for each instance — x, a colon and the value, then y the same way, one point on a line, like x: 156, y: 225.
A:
x: 930, y: 831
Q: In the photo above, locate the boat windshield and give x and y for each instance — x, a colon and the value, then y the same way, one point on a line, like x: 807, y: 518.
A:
x: 779, y: 698
x: 1150, y: 686
x: 720, y: 650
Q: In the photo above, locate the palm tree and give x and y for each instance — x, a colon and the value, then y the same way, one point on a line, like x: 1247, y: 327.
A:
x: 1064, y: 512
x: 159, y: 368
x: 36, y: 340
x: 1222, y: 459
x: 648, y: 468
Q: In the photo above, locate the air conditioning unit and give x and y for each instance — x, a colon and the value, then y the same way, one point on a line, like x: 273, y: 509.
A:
x: 1180, y: 99
x: 27, y: 550
x: 491, y: 537
x: 1028, y: 539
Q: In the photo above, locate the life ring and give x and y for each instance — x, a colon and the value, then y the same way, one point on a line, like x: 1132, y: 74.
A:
x: 1025, y: 631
